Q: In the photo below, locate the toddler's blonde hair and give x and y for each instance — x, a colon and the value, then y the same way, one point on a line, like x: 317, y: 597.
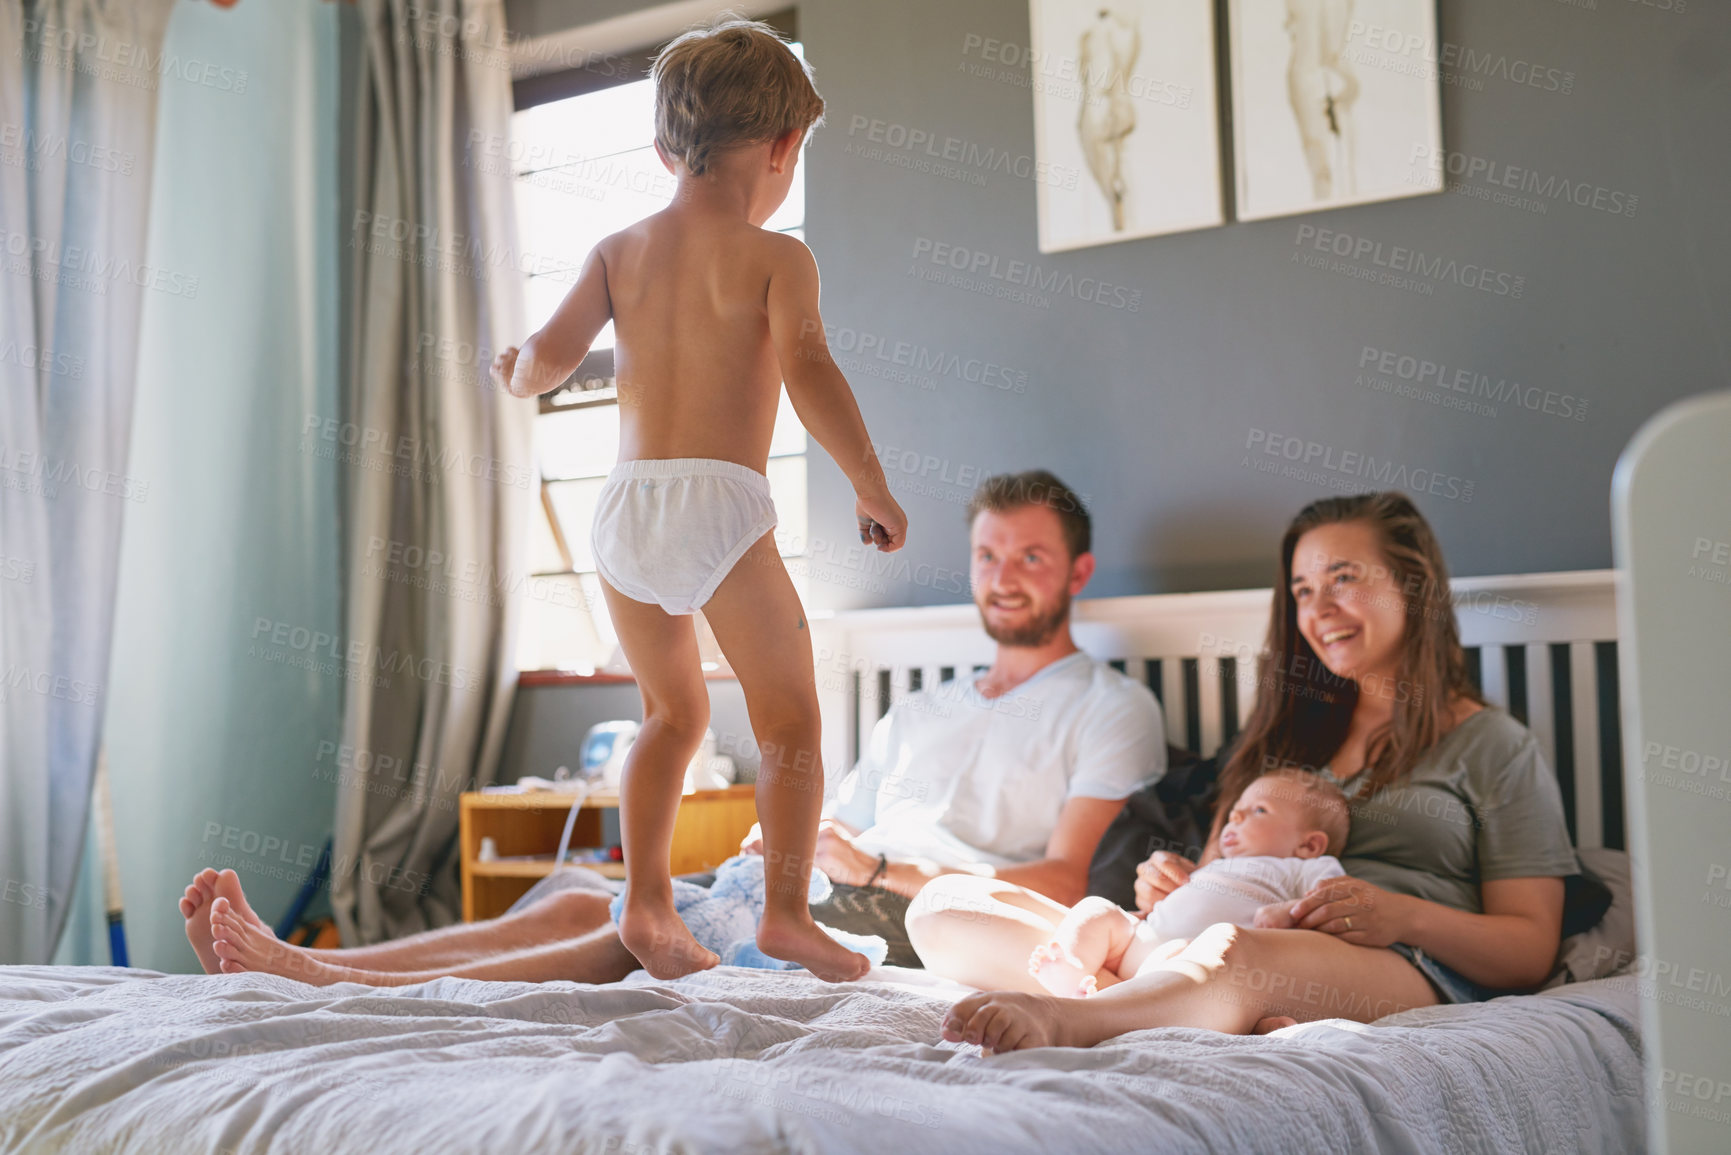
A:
x: 734, y: 82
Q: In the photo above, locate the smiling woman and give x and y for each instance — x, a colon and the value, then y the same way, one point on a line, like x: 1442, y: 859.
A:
x: 1454, y: 862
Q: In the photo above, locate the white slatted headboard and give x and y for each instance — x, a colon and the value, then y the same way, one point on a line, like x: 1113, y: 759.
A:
x: 1542, y: 646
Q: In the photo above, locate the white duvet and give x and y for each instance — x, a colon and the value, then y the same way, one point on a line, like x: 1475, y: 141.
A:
x: 103, y: 1060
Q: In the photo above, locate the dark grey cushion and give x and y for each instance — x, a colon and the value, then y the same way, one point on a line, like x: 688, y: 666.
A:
x: 1173, y: 813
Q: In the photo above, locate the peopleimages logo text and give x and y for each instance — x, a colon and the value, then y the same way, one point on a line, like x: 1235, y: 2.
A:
x: 1398, y: 258
x: 978, y: 263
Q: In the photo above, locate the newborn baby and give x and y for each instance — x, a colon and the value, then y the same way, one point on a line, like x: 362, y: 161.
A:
x: 1279, y: 841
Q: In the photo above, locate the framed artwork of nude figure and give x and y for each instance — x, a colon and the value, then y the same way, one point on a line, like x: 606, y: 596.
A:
x: 1126, y: 128
x: 1334, y: 102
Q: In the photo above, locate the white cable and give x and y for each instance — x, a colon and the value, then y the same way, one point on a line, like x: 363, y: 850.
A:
x: 583, y: 788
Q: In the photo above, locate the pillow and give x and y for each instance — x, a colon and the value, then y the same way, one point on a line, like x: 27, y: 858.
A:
x: 1608, y: 946
x: 1173, y: 813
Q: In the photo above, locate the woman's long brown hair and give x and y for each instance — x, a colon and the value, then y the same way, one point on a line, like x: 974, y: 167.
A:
x: 1303, y: 711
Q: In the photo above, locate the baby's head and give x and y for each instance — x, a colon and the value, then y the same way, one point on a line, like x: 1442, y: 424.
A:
x: 1286, y: 813
x: 734, y: 83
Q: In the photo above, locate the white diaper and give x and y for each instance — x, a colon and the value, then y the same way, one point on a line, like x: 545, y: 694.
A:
x: 667, y: 530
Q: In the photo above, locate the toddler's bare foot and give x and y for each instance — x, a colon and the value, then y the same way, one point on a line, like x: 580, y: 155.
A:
x: 788, y: 936
x: 195, y: 909
x: 1061, y: 972
x: 657, y: 936
x: 1009, y: 1021
x: 242, y: 946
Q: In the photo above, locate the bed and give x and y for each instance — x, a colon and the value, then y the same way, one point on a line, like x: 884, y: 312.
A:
x: 98, y: 1059
x: 109, y: 1060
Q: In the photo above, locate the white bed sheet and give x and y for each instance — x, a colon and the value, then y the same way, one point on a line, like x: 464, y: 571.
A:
x: 105, y: 1060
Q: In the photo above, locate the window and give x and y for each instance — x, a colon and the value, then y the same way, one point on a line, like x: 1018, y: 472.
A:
x: 585, y: 166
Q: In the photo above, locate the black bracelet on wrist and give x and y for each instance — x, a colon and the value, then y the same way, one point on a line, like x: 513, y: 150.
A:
x: 883, y: 865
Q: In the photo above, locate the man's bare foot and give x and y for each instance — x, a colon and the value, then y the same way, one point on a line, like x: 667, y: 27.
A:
x: 1011, y: 1021
x: 788, y: 936
x: 243, y: 946
x: 195, y: 909
x: 227, y: 885
x: 1061, y: 972
x: 657, y: 936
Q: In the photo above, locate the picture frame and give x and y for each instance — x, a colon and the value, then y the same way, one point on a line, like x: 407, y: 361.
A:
x: 1126, y: 120
x: 1334, y: 103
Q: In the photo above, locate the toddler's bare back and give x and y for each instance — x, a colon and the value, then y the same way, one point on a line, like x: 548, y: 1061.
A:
x: 698, y: 375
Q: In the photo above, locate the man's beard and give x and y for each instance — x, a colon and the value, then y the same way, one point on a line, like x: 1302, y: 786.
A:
x: 1036, y: 631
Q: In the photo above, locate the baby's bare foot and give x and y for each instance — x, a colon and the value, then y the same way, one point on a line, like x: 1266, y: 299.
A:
x: 1061, y: 972
x: 1007, y: 1021
x: 242, y: 946
x: 227, y: 885
x: 195, y: 909
x: 657, y: 936
x: 802, y: 941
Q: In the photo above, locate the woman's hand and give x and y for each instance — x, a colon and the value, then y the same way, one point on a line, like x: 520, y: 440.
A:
x: 1354, y: 911
x: 1163, y: 873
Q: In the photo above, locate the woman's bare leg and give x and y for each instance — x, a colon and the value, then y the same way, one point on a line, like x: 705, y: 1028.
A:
x: 1228, y: 979
x: 981, y: 931
x: 662, y: 651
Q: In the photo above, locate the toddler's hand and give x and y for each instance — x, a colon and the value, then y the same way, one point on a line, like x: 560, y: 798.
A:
x: 881, y: 521
x: 504, y: 366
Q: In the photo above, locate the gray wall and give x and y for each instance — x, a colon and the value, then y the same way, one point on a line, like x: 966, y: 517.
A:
x: 1150, y: 414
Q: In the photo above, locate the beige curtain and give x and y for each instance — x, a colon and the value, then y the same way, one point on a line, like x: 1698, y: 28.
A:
x: 78, y: 96
x: 438, y: 478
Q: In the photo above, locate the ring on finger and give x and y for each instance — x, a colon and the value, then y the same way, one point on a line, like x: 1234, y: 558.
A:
x: 1349, y: 922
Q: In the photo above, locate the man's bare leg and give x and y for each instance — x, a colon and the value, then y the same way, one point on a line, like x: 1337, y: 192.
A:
x: 561, y: 915
x: 597, y: 957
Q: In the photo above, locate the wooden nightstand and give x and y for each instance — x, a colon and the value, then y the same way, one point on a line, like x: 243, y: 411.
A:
x: 711, y: 825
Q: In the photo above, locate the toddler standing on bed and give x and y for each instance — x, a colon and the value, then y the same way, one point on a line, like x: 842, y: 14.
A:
x: 1279, y: 840
x: 712, y: 315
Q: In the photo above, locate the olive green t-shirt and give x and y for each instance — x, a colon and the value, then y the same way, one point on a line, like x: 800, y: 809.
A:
x: 1480, y: 805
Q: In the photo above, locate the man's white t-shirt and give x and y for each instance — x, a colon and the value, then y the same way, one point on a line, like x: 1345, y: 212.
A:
x: 960, y: 778
x: 1231, y: 889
